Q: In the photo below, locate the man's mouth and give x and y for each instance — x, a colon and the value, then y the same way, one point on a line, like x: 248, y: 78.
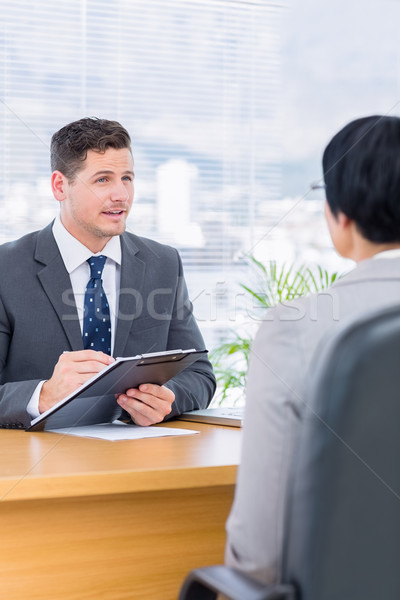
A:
x: 113, y: 212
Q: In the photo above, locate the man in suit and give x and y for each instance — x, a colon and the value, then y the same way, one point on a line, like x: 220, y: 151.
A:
x: 43, y: 280
x: 361, y: 167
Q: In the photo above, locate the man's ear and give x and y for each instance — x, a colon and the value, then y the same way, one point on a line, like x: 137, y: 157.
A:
x: 58, y: 185
x: 343, y: 220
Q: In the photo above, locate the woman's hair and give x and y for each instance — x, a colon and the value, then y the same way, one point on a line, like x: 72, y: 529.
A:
x: 361, y: 166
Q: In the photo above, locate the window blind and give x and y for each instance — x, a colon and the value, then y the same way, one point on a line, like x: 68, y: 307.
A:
x: 196, y: 84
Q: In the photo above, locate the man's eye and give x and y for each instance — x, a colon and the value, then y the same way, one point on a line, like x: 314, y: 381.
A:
x: 128, y: 178
x: 101, y: 179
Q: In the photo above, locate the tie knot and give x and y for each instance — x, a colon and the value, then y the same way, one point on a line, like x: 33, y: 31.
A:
x: 96, y: 264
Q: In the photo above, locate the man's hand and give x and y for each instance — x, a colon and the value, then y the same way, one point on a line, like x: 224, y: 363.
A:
x: 147, y: 405
x: 71, y: 371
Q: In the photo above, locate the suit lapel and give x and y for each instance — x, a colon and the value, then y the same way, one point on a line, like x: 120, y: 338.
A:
x: 131, y: 297
x: 56, y: 284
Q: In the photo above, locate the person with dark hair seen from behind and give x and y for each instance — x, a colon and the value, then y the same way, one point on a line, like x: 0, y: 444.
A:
x: 48, y: 348
x: 361, y: 167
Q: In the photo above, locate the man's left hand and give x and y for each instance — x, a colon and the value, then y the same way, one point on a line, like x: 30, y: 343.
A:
x: 147, y: 405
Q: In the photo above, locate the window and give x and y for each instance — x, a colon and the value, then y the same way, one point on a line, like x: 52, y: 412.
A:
x: 229, y: 104
x: 196, y: 83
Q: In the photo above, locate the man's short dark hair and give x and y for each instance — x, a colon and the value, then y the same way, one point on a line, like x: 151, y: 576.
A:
x: 361, y: 166
x: 70, y: 145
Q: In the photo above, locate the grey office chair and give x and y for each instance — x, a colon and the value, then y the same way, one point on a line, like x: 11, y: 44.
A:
x: 342, y: 535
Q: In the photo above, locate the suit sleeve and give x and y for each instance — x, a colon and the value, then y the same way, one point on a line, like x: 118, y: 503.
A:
x: 195, y: 386
x: 255, y: 524
x: 14, y: 396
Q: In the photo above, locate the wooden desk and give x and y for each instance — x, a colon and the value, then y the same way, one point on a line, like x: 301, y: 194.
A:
x: 84, y: 518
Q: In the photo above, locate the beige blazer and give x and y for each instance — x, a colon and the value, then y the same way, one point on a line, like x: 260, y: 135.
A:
x: 276, y: 394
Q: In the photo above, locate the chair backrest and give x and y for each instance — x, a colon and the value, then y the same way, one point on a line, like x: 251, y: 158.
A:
x: 342, y: 539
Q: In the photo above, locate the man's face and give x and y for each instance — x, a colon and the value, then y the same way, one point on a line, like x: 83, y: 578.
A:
x: 95, y: 205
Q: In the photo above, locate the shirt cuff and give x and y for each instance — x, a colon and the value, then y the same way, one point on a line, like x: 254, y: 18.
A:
x: 33, y: 405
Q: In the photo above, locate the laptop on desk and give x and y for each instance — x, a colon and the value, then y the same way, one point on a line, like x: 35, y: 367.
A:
x: 230, y: 416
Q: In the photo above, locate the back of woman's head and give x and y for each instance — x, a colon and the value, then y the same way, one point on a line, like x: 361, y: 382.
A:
x: 361, y: 166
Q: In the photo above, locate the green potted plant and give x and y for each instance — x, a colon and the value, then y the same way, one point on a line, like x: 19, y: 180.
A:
x: 273, y: 284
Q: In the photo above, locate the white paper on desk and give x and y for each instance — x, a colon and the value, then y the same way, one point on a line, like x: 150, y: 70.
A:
x: 121, y: 431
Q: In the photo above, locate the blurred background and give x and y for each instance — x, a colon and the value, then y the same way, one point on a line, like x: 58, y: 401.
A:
x: 229, y: 104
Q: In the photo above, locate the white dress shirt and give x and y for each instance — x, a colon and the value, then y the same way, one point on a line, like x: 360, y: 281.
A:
x: 394, y: 253
x: 75, y: 255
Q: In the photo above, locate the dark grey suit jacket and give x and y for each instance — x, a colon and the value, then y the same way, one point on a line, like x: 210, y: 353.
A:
x: 39, y: 320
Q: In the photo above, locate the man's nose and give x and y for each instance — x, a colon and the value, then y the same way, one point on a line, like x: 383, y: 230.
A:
x: 120, y: 192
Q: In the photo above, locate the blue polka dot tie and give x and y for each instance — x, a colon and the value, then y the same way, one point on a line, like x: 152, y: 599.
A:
x: 96, y: 319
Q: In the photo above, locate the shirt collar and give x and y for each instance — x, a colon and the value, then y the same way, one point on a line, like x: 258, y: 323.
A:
x: 394, y: 253
x: 74, y: 253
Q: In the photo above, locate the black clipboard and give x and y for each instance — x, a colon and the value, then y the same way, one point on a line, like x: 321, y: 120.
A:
x: 94, y: 402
